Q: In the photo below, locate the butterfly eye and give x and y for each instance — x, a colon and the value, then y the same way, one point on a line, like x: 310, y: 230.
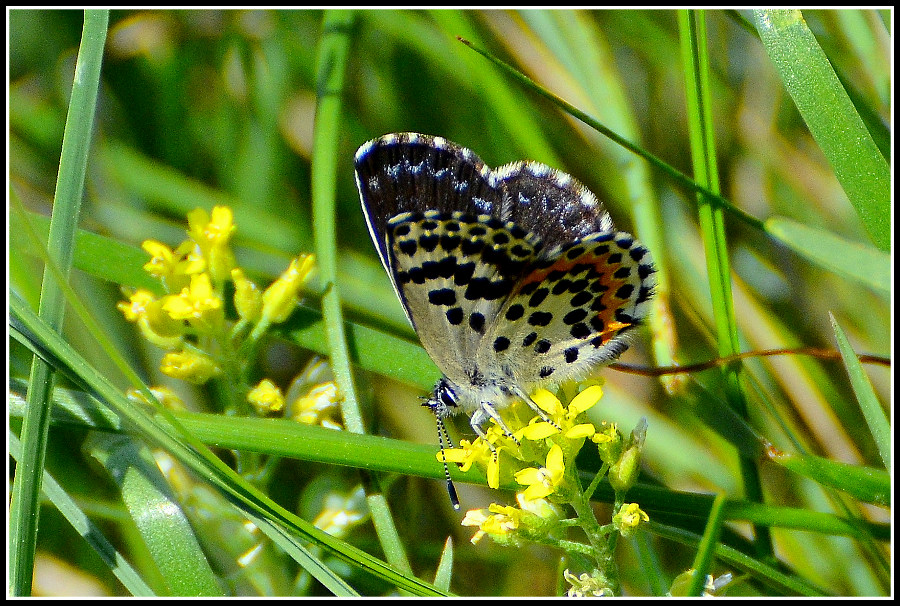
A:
x: 447, y: 396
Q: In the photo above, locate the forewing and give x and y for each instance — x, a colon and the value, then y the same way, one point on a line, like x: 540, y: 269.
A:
x: 454, y: 272
x: 409, y: 172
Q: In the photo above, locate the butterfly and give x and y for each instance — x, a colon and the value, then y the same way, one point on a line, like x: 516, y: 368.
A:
x: 512, y: 277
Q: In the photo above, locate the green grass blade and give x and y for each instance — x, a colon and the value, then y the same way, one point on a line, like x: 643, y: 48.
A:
x: 692, y: 26
x: 878, y: 422
x: 444, y: 573
x: 832, y: 119
x: 705, y: 550
x: 856, y: 261
x: 158, y: 516
x: 864, y: 483
x: 332, y: 62
x: 93, y: 535
x: 97, y: 255
x: 67, y: 203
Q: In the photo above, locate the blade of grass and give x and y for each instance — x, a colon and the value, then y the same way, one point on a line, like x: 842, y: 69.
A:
x: 82, y: 524
x: 853, y: 260
x: 331, y: 67
x: 692, y: 26
x: 864, y: 483
x: 444, y: 573
x: 703, y: 559
x: 162, y: 524
x: 94, y: 254
x: 24, y: 509
x: 832, y: 119
x: 868, y: 401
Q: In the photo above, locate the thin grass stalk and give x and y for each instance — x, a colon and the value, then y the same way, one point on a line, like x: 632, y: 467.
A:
x: 24, y: 508
x: 332, y: 62
x: 692, y: 25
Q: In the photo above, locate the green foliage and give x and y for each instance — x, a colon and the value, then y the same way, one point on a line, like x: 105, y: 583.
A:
x: 205, y: 108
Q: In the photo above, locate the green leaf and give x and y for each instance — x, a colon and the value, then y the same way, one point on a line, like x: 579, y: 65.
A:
x: 76, y: 143
x: 444, y: 572
x: 862, y: 263
x: 162, y: 524
x: 868, y: 401
x: 865, y: 483
x: 831, y: 117
x: 84, y: 526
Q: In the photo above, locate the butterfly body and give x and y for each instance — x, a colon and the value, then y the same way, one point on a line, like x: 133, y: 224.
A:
x: 513, y: 278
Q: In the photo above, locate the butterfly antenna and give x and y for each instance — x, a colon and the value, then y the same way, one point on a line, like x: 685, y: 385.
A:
x: 442, y: 437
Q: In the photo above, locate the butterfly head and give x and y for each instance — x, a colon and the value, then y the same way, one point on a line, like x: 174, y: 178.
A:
x: 444, y: 400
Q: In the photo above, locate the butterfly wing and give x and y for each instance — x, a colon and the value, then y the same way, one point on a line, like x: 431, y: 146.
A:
x: 453, y: 273
x: 550, y: 204
x: 409, y: 172
x: 571, y: 312
x: 516, y: 274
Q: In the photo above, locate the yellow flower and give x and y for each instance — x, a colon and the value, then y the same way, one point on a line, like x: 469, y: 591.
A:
x: 247, y: 297
x: 585, y: 400
x: 475, y: 517
x: 501, y: 525
x: 319, y: 406
x: 155, y: 325
x: 280, y: 299
x: 484, y: 451
x: 341, y: 512
x: 266, y: 398
x: 467, y: 454
x: 173, y: 268
x: 628, y: 518
x: 199, y: 303
x: 545, y: 480
x: 564, y: 418
x: 189, y: 366
x: 212, y: 235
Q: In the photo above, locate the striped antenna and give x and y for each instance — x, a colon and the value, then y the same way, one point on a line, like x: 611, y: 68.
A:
x: 442, y: 436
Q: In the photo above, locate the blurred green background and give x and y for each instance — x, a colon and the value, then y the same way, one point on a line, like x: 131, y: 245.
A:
x: 199, y: 108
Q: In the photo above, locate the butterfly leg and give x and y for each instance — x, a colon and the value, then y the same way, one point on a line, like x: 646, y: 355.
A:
x: 479, y: 417
x: 533, y: 405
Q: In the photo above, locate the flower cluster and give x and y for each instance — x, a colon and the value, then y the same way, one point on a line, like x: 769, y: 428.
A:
x: 540, y: 457
x: 190, y: 323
